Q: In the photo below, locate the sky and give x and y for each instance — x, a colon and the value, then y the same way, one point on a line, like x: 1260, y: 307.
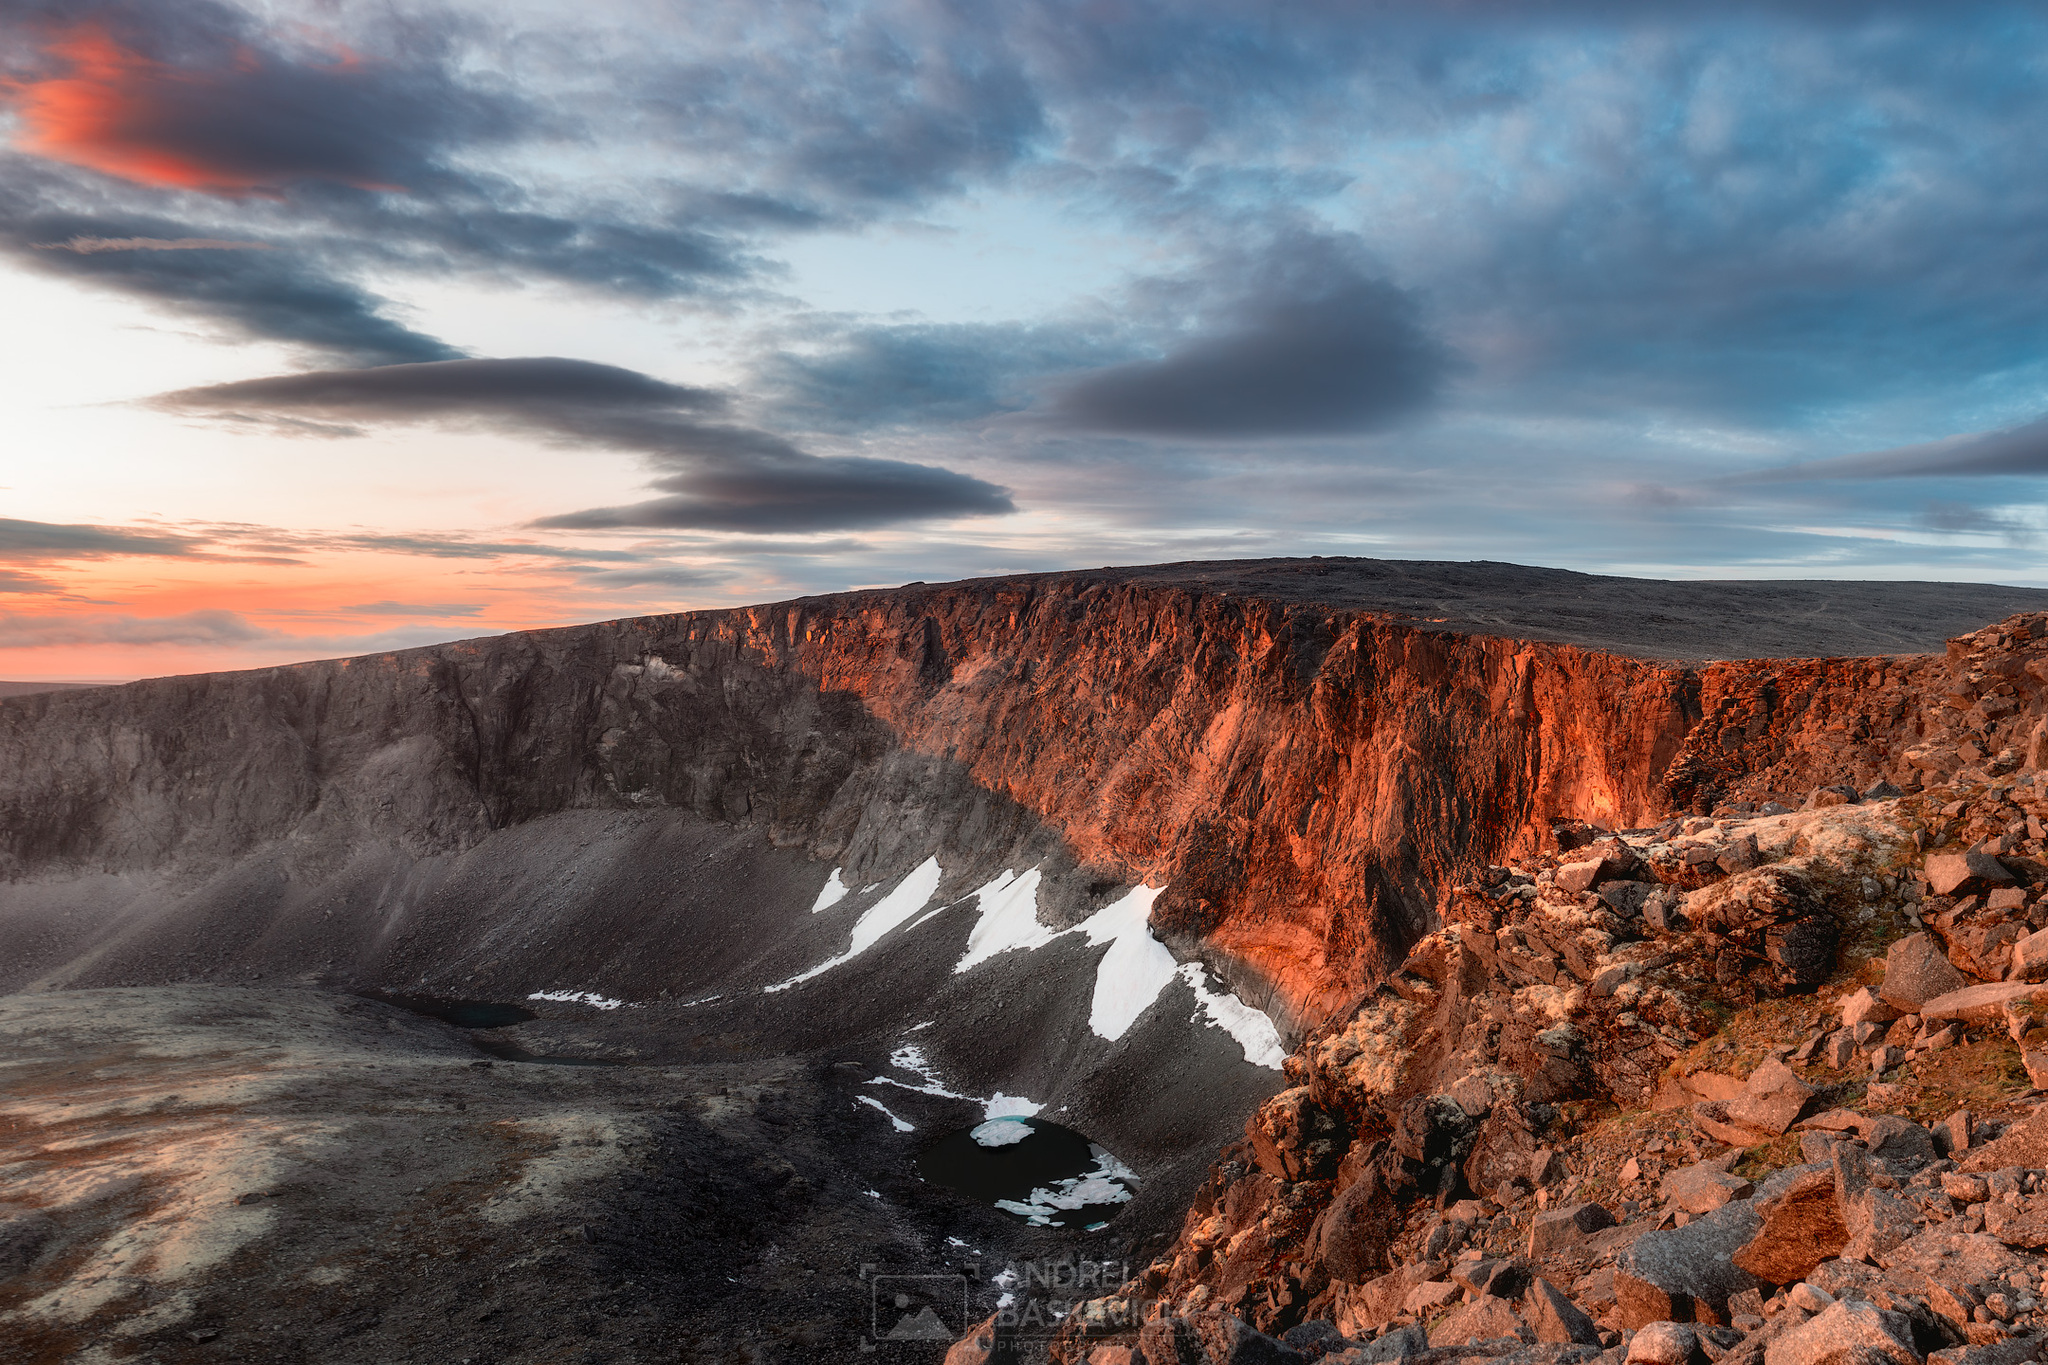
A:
x: 333, y: 327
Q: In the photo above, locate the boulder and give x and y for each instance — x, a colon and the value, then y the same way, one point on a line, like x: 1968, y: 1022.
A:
x: 1847, y: 1332
x: 1398, y: 1344
x: 982, y: 1342
x: 1986, y: 1003
x: 1772, y: 1099
x: 1555, y: 1318
x: 1703, y: 1187
x: 1948, y: 873
x: 1916, y: 970
x: 1565, y: 1227
x: 2030, y: 958
x: 1877, y: 1221
x: 1230, y: 1340
x: 1713, y: 1120
x: 1506, y: 1278
x: 1357, y: 1228
x: 1686, y: 1274
x: 1430, y: 1296
x: 1802, y: 1227
x: 1764, y: 896
x: 1487, y: 1319
x: 1663, y: 1343
x: 1865, y: 1006
x: 1581, y: 876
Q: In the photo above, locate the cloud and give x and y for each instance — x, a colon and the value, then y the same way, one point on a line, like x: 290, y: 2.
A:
x: 88, y: 246
x: 719, y: 475
x: 232, y: 116
x: 13, y: 580
x: 2018, y: 451
x: 1342, y: 354
x: 39, y: 541
x: 283, y: 294
x: 434, y: 609
x: 18, y: 631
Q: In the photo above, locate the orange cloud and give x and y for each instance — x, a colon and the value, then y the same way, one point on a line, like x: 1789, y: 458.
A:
x: 118, y: 111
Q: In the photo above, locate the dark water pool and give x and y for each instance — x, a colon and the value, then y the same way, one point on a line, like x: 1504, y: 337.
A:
x: 461, y: 1013
x: 477, y: 1015
x: 1044, y: 1173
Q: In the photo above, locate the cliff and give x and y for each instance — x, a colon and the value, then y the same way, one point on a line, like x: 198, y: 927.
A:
x: 1306, y: 776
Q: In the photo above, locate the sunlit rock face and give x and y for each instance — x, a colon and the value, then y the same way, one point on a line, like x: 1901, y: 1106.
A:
x: 1302, y: 773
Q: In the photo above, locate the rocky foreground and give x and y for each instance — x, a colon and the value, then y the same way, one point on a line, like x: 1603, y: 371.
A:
x: 1757, y: 1085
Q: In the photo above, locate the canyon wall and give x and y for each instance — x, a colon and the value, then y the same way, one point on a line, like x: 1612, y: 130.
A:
x: 1306, y: 780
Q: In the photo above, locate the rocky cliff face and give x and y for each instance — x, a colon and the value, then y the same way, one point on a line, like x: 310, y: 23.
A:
x: 1305, y: 780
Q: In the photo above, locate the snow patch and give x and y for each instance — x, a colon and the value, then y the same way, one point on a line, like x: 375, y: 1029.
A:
x: 1005, y: 1132
x: 901, y: 1126
x: 1136, y: 967
x: 911, y: 895
x: 1131, y: 974
x: 590, y: 998
x: 834, y: 892
x: 1252, y: 1029
x: 1001, y: 1106
x: 1008, y: 919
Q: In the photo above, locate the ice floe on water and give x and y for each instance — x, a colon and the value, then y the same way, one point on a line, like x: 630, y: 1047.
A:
x: 834, y: 892
x: 911, y: 895
x: 590, y: 998
x: 901, y: 1125
x: 1001, y: 1132
x: 1252, y: 1029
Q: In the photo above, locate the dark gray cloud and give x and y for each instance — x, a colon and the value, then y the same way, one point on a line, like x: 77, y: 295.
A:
x: 38, y: 541
x: 1344, y: 354
x: 719, y: 476
x: 922, y: 374
x: 2019, y: 451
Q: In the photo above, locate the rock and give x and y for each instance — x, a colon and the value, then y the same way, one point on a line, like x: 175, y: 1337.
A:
x: 1948, y: 873
x: 1897, y: 1139
x: 1713, y: 1120
x: 1398, y: 1344
x: 1877, y: 1221
x: 1839, y: 1049
x: 1487, y: 1319
x: 2025, y: 1144
x: 1703, y: 1187
x: 1965, y: 1188
x: 1626, y: 898
x: 1114, y: 1353
x: 1884, y: 1059
x: 1430, y: 1296
x: 1802, y: 1227
x: 1811, y: 1298
x: 1546, y: 1167
x: 1881, y: 790
x: 1840, y: 794
x: 1230, y: 1340
x: 1772, y: 1099
x: 979, y: 1346
x: 2007, y: 898
x: 1712, y: 1085
x: 2036, y: 1063
x: 1293, y: 1138
x: 2027, y: 1229
x: 1662, y: 910
x: 1986, y: 1003
x: 1580, y: 876
x: 1359, y: 1226
x: 1663, y: 1343
x: 1865, y: 1006
x: 1686, y: 1274
x: 1916, y: 970
x: 1315, y: 1338
x: 1506, y: 1278
x: 1555, y: 1318
x: 1848, y: 1332
x: 1565, y: 1227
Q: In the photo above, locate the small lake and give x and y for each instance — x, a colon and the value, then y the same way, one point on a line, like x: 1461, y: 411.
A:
x: 1044, y: 1173
x: 478, y: 1015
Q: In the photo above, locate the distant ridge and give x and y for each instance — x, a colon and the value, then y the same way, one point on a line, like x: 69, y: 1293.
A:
x: 23, y: 689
